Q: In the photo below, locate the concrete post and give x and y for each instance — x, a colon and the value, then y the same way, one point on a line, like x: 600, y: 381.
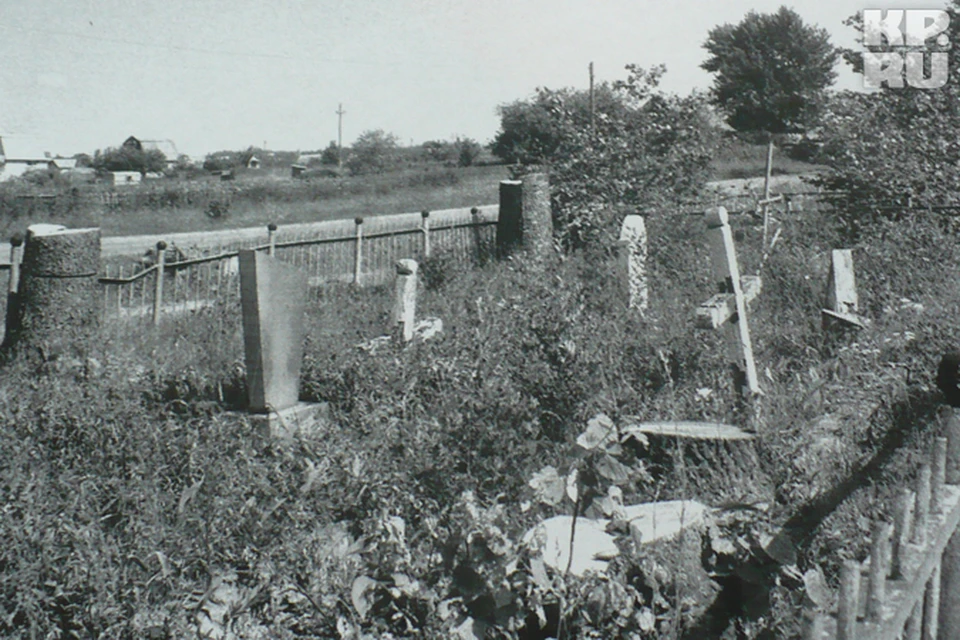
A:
x: 537, y: 217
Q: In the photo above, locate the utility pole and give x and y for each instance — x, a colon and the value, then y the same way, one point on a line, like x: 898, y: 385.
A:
x: 340, y: 113
x: 593, y: 128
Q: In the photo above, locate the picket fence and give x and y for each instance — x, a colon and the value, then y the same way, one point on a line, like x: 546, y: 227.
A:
x: 173, y: 279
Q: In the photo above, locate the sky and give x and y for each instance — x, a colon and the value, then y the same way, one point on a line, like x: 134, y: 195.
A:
x: 81, y: 75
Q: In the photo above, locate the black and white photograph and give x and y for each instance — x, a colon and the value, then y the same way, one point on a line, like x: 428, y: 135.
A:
x: 479, y: 320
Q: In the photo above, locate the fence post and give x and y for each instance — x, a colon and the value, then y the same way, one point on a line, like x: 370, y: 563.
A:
x: 477, y: 238
x: 949, y: 618
x: 876, y: 594
x: 405, y: 302
x: 13, y: 297
x: 425, y: 227
x: 358, y: 251
x: 158, y: 281
x: 272, y: 239
x: 849, y: 600
x: 901, y: 527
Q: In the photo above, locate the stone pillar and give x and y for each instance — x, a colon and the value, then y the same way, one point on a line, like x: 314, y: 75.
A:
x: 949, y: 619
x: 633, y: 241
x: 405, y: 301
x: 537, y: 217
x: 510, y: 218
x: 58, y: 292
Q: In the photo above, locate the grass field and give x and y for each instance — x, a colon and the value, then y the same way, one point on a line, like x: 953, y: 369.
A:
x: 256, y: 198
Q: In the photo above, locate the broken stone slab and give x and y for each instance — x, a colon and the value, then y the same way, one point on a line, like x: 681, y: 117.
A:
x: 689, y: 429
x: 716, y: 311
x: 303, y: 419
x: 428, y: 329
x: 593, y: 547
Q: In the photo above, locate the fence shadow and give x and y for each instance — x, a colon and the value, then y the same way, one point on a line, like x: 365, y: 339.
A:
x: 750, y: 599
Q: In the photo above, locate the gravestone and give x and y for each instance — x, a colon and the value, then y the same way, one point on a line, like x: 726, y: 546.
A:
x: 272, y: 298
x: 57, y: 307
x: 404, y: 311
x: 841, y: 303
x: 633, y: 254
x: 731, y: 304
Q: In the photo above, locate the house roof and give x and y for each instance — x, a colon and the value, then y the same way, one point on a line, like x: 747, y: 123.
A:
x: 22, y: 148
x: 65, y: 163
x: 166, y: 147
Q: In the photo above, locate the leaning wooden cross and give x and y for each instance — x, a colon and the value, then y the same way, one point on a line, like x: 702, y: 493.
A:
x: 728, y: 309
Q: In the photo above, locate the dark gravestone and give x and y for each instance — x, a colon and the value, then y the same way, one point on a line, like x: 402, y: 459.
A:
x: 272, y: 298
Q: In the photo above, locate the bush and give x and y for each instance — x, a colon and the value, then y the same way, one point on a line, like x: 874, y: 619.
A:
x: 373, y: 152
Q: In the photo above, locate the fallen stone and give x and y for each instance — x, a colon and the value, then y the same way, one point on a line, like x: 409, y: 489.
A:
x: 593, y: 547
x: 428, y: 328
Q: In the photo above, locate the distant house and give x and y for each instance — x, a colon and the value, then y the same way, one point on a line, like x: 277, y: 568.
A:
x: 132, y: 143
x: 19, y: 155
x: 296, y: 170
x: 166, y: 147
x: 306, y: 159
x: 64, y: 164
x: 125, y: 178
x: 253, y: 162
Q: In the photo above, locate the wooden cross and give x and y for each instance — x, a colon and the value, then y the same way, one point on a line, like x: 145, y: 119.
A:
x: 728, y: 309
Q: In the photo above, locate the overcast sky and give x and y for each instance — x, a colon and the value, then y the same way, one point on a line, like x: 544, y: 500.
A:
x: 78, y: 75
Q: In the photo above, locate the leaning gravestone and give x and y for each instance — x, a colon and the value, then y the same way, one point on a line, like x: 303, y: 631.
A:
x: 272, y: 299
x: 633, y: 247
x: 57, y: 296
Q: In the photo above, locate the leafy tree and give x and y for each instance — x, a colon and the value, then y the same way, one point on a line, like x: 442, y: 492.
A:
x: 373, y: 152
x: 894, y: 145
x: 130, y: 159
x: 468, y: 150
x: 330, y: 155
x: 772, y: 71
x: 645, y: 150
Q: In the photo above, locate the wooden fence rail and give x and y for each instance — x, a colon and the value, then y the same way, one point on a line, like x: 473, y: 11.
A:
x: 327, y: 252
x: 896, y: 592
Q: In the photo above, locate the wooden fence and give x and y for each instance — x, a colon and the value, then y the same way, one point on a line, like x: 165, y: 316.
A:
x: 896, y: 593
x: 361, y: 251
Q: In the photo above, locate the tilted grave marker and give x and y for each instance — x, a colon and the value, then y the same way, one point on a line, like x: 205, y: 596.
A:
x: 633, y: 248
x: 841, y: 302
x: 272, y: 298
x: 728, y: 309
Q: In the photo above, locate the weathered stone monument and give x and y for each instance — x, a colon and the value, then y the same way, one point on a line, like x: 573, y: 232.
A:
x: 56, y: 308
x: 633, y: 257
x: 273, y: 298
x: 525, y: 217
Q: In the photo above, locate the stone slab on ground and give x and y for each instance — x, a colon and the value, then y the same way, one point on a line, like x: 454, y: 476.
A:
x: 689, y: 429
x: 304, y: 418
x: 593, y: 547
